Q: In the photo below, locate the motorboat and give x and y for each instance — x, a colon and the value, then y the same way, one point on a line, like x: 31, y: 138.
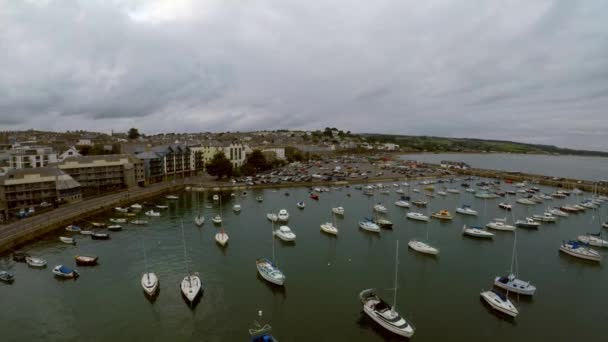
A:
x: 139, y: 222
x: 283, y: 215
x: 35, y: 262
x: 152, y: 213
x: 500, y: 224
x: 329, y: 228
x: 505, y: 206
x: 191, y: 287
x: 369, y: 225
x: 512, y: 284
x: 100, y: 236
x: 114, y: 227
x: 466, y: 210
x: 338, y: 211
x: 580, y: 250
x: 477, y: 232
x: 221, y: 238
x: 272, y: 217
x: 400, y: 191
x: 422, y: 247
x: 442, y: 215
x: 62, y: 271
x: 269, y: 271
x: 557, y: 212
x: 592, y: 239
x: 236, y: 208
x: 98, y: 224
x: 149, y: 283
x: 499, y: 302
x: 199, y: 220
x: 605, y: 224
x: 68, y: 240
x: 118, y: 220
x: 558, y: 195
x: 301, y: 205
x: 525, y: 201
x: 171, y: 197
x: 136, y: 206
x: 380, y: 208
x: 527, y: 223
x: 402, y: 204
x: 545, y: 217
x: 416, y: 190
x: 417, y: 216
x: 82, y: 260
x: 7, y: 277
x: 73, y: 228
x: 284, y: 233
x: 217, y: 219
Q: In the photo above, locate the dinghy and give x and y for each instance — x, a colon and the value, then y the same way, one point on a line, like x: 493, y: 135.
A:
x: 35, y: 262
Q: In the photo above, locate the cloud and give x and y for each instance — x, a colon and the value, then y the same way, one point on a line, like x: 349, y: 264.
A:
x: 523, y: 70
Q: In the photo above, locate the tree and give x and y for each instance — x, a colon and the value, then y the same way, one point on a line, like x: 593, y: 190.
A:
x: 255, y: 163
x: 133, y: 133
x: 293, y: 154
x: 219, y: 166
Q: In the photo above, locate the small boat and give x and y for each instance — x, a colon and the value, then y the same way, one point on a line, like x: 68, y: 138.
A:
x: 477, y: 232
x: 98, y: 224
x: 512, y: 284
x: 261, y: 333
x: 171, y: 197
x: 121, y: 210
x: 338, y: 211
x: 7, y: 277
x: 272, y: 217
x: 136, y: 206
x: 160, y: 206
x: 453, y: 191
x: 485, y: 195
x: 569, y: 209
x: 383, y: 222
x: 191, y: 287
x: 329, y: 228
x: 216, y: 197
x: 402, y: 204
x: 152, y: 213
x: 86, y: 232
x: 525, y: 201
x: 420, y: 203
x: 269, y: 271
x: 217, y: 219
x: 259, y: 199
x: 416, y: 190
x: 64, y: 272
x: 73, y: 228
x: 400, y: 191
x: 82, y: 260
x: 579, y: 250
x: 114, y: 227
x: 236, y: 208
x: 417, y: 216
x: 301, y: 205
x: 283, y: 215
x: 20, y: 256
x: 443, y: 215
x: 527, y: 223
x: 466, y: 210
x: 68, y: 240
x: 380, y: 208
x: 314, y: 196
x: 499, y: 302
x: 368, y: 225
x: 442, y: 193
x: 546, y: 217
x: 593, y: 240
x: 199, y: 220
x: 505, y: 206
x: 35, y: 262
x: 422, y: 247
x: 221, y: 238
x: 149, y: 282
x: 139, y: 222
x: 500, y: 224
x: 557, y: 212
x: 118, y: 220
x: 285, y: 233
x: 232, y: 194
x: 605, y: 224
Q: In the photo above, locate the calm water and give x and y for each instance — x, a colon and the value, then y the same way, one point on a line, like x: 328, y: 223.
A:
x: 324, y: 276
x: 578, y: 167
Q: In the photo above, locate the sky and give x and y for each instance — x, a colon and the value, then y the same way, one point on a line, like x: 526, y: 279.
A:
x: 531, y: 70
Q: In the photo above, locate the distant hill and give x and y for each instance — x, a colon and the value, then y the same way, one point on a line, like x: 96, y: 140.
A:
x: 441, y: 144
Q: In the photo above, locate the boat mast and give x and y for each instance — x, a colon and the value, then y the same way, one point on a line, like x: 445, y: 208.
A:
x: 396, y: 270
x: 185, y: 254
x: 143, y: 243
x: 272, y: 236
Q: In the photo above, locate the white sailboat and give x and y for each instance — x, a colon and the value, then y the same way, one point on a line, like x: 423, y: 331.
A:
x: 191, y: 284
x: 500, y: 224
x: 499, y: 302
x: 221, y: 237
x: 423, y: 247
x: 477, y: 232
x: 330, y: 227
x: 199, y: 219
x: 383, y: 314
x: 268, y: 268
x: 149, y: 280
x: 576, y: 249
x: 510, y: 282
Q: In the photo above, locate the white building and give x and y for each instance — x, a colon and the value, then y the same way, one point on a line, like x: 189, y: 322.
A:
x: 25, y: 157
x: 391, y: 147
x: 70, y: 152
x: 278, y: 151
x: 235, y: 152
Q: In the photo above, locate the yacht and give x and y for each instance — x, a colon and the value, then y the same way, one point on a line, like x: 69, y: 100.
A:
x: 593, y: 240
x: 466, y: 210
x: 283, y: 215
x: 443, y: 215
x: 149, y: 283
x: 453, y: 191
x: 370, y: 226
x: 500, y: 224
x: 477, y: 232
x: 199, y: 220
x: 527, y: 223
x: 576, y: 249
x: 505, y: 206
x: 442, y: 193
x: 329, y: 228
x: 217, y: 219
x: 272, y: 217
x: 284, y: 233
x: 380, y: 208
x: 269, y: 271
x: 525, y: 201
x: 499, y: 302
x: 545, y: 217
x: 417, y: 216
x: 338, y: 210
x: 420, y: 203
x: 402, y: 204
x: 191, y: 287
x: 422, y: 247
x: 557, y: 212
x: 221, y: 237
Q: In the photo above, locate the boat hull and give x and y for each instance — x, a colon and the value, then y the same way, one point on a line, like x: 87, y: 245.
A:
x: 150, y: 284
x: 597, y: 257
x: 490, y: 298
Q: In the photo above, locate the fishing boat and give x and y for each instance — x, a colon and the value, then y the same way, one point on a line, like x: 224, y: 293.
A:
x: 152, y: 213
x: 73, y: 228
x: 191, y: 284
x: 136, y: 206
x: 283, y: 215
x: 499, y: 302
x: 527, y: 223
x: 505, y: 206
x: 314, y: 196
x: 7, y: 277
x: 171, y: 197
x: 466, y: 210
x: 272, y: 217
x: 557, y: 212
x: 545, y: 217
x: 217, y: 219
x: 417, y: 216
x: 593, y: 239
x: 579, y: 250
x: 114, y: 227
x: 500, y: 224
x: 35, y: 262
x: 68, y: 240
x: 118, y: 220
x: 82, y: 260
x: 369, y: 225
x: 338, y: 211
x: 236, y: 208
x: 442, y: 215
x: 477, y: 232
x: 402, y: 204
x: 259, y: 199
x: 380, y: 208
x: 62, y: 271
x: 382, y: 313
x: 100, y: 236
x: 301, y: 205
x: 285, y: 233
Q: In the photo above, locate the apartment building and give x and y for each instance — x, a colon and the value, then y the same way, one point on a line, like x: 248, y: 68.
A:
x: 202, y: 154
x: 166, y: 161
x: 27, y: 157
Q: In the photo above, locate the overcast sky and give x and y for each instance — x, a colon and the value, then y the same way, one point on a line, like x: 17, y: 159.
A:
x: 531, y: 70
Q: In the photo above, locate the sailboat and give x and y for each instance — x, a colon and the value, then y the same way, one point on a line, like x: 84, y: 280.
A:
x: 423, y: 247
x: 593, y: 239
x: 268, y: 269
x: 191, y: 284
x: 330, y: 227
x: 149, y: 280
x: 199, y: 219
x: 221, y: 237
x: 510, y: 282
x: 383, y: 314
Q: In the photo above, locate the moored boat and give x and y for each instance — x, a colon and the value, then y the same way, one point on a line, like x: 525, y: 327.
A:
x: 68, y: 240
x: 82, y: 260
x: 370, y: 226
x: 422, y: 247
x: 100, y: 236
x: 579, y: 250
x: 466, y: 210
x: 62, y: 271
x: 593, y: 239
x: 114, y: 227
x: 329, y: 228
x: 499, y: 302
x: 527, y: 223
x: 269, y: 271
x: 443, y: 215
x: 500, y: 224
x: 338, y: 210
x: 285, y: 233
x: 417, y: 216
x: 505, y: 206
x: 402, y: 204
x: 35, y: 262
x: 7, y: 277
x: 477, y: 232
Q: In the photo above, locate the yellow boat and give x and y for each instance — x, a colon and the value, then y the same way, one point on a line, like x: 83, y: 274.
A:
x: 443, y: 215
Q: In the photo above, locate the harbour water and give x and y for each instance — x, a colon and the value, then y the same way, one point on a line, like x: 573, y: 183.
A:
x: 578, y: 167
x: 325, y: 274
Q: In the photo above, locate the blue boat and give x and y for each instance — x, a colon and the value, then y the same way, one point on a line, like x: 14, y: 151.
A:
x: 64, y: 272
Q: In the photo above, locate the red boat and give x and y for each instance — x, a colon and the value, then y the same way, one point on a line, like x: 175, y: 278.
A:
x: 314, y: 196
x: 82, y: 260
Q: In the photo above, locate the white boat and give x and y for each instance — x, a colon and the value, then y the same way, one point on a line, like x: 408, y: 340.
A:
x: 329, y: 228
x: 301, y: 205
x: 527, y: 223
x: 86, y: 232
x: 149, y: 283
x: 499, y: 302
x: 593, y: 240
x: 161, y: 206
x: 284, y: 233
x: 405, y: 184
x: 136, y: 206
x: 118, y: 220
x: 466, y: 210
x: 236, y: 208
x: 114, y: 227
x: 139, y: 222
x: 217, y: 219
x: 442, y: 215
x: 283, y: 215
x: 500, y: 224
x: 422, y: 247
x: 470, y: 190
x: 477, y: 232
x: 417, y: 216
x: 216, y: 197
x: 485, y: 195
x: 605, y: 224
x: 259, y: 199
x: 221, y: 237
x: 510, y: 282
x: 35, y: 262
x: 64, y: 272
x: 171, y: 197
x: 380, y: 208
x: 400, y: 191
x: 453, y: 191
x: 442, y: 193
x: 546, y: 217
x: 73, y: 228
x: 369, y: 226
x: 383, y: 314
x: 67, y: 240
x: 402, y: 204
x: 272, y: 217
x: 98, y: 224
x: 505, y: 206
x: 199, y: 220
x: 576, y: 249
x: 525, y: 201
x: 415, y: 190
x: 269, y: 271
x: 557, y: 212
x: 338, y: 210
x: 152, y: 213
x: 121, y: 210
x: 191, y: 284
